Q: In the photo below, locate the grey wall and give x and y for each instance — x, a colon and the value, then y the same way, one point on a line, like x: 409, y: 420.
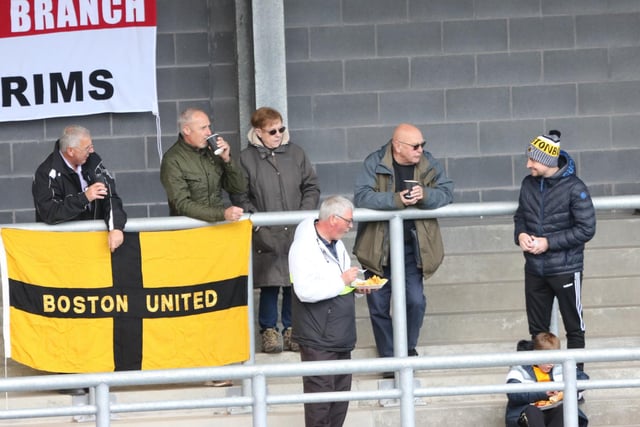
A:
x: 479, y: 77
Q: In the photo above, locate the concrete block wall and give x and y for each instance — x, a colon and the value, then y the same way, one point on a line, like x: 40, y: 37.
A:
x: 479, y: 77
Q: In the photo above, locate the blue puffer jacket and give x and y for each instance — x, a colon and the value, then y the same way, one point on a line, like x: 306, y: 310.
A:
x: 560, y: 209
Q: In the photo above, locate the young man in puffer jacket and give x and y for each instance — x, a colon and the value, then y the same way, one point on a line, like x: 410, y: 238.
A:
x: 554, y: 220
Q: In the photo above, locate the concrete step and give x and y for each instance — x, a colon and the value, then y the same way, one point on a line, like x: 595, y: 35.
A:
x: 463, y: 297
x: 495, y: 234
x: 460, y: 268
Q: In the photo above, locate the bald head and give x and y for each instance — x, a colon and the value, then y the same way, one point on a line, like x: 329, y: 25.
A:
x: 407, y: 144
x: 406, y: 131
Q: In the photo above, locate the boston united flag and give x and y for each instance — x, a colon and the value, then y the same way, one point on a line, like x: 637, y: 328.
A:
x: 76, y: 57
x: 166, y: 299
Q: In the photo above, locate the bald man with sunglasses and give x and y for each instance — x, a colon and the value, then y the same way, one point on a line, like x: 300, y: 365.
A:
x: 380, y: 185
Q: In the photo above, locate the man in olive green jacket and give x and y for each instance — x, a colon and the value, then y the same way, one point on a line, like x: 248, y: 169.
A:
x: 194, y: 177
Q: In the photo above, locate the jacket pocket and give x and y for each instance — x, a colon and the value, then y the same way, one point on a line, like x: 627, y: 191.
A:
x: 369, y: 246
x: 432, y: 249
x: 416, y: 247
x: 273, y: 239
x: 193, y: 181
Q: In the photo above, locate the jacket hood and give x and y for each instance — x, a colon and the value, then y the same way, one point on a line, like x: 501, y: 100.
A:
x: 254, y: 140
x: 566, y: 164
x: 306, y: 228
x: 385, y: 159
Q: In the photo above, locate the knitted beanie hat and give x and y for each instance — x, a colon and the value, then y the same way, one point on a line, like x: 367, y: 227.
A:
x: 545, y: 149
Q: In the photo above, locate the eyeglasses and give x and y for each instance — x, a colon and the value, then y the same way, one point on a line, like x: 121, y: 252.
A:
x: 348, y: 221
x: 86, y: 149
x: 415, y: 146
x: 274, y: 131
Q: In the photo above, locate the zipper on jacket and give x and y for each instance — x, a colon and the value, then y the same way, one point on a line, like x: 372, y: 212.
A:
x: 541, y: 216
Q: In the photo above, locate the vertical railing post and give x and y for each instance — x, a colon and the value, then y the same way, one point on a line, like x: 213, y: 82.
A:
x: 246, y: 382
x: 553, y: 324
x: 398, y: 294
x: 103, y: 406
x: 407, y: 398
x: 399, y: 308
x: 259, y: 401
x: 570, y: 399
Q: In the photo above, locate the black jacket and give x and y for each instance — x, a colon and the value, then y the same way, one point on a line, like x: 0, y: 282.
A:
x: 560, y: 209
x: 58, y: 195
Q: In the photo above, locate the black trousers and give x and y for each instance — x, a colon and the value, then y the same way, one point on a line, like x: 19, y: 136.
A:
x: 325, y: 414
x: 535, y: 417
x: 539, y: 294
x: 553, y: 417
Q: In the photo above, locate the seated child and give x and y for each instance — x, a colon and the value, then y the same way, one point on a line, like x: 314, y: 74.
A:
x: 538, y: 408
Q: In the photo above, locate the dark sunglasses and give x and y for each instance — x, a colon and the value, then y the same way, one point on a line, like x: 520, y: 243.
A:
x: 415, y: 146
x: 274, y: 131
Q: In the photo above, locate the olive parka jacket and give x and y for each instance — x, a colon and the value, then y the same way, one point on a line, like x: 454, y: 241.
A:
x: 375, y: 189
x: 194, y: 179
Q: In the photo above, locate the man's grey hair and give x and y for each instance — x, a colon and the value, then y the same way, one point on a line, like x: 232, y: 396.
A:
x: 334, y: 205
x: 71, y: 136
x: 186, y: 116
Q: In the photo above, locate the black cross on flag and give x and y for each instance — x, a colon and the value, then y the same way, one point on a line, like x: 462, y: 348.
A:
x: 164, y: 299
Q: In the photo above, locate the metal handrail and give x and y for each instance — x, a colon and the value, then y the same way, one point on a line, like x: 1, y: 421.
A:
x: 454, y: 210
x: 103, y: 382
x: 257, y: 397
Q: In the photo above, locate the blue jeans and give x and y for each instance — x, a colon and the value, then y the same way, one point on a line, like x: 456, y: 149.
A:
x: 268, y: 307
x: 379, y: 303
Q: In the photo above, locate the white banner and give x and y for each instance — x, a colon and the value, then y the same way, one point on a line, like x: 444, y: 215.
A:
x: 76, y: 57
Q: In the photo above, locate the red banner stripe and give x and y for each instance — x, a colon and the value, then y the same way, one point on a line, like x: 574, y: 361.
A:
x: 20, y: 18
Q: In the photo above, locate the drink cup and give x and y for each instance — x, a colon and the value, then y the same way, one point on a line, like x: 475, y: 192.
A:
x: 101, y: 177
x: 408, y: 185
x: 211, y: 139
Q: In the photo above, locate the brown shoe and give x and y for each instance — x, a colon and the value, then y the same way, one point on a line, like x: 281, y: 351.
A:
x: 289, y: 344
x: 271, y: 341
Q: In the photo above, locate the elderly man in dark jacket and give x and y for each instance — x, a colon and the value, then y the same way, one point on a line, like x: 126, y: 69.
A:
x: 73, y: 184
x: 554, y: 220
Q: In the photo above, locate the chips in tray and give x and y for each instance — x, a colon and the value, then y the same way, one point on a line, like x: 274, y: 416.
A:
x: 373, y: 282
x: 552, y: 402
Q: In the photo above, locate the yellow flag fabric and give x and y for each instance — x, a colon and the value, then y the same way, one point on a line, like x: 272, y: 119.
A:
x: 165, y: 299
